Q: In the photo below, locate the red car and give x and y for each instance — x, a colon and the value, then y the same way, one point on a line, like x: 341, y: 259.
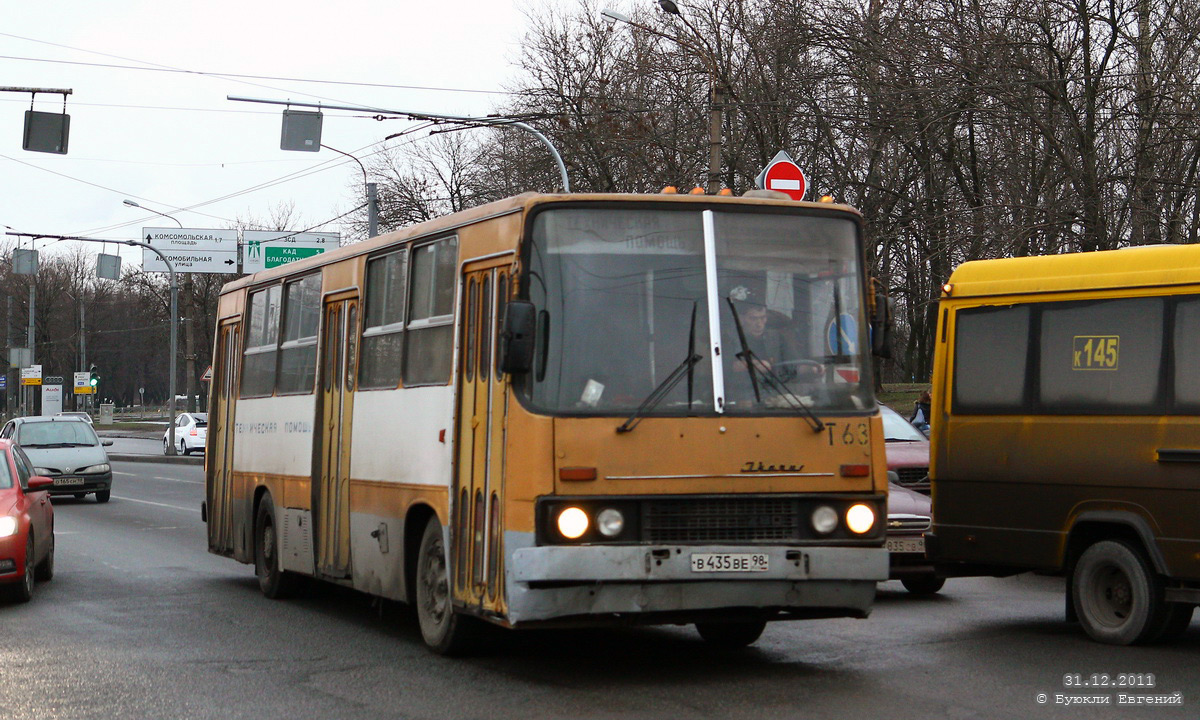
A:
x: 26, y: 525
x: 909, y: 506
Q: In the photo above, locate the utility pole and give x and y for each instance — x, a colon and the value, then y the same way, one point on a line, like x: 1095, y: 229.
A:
x: 189, y: 342
x: 83, y: 366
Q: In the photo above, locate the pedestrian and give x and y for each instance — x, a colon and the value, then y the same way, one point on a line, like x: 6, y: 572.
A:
x: 920, y: 416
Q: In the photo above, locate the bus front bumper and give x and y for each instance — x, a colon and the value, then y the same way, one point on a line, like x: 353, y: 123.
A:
x: 639, y: 584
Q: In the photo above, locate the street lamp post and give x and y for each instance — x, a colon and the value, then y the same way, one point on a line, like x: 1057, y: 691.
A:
x: 189, y: 338
x: 372, y: 200
x: 716, y: 108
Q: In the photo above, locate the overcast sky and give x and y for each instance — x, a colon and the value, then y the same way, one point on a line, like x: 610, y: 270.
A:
x: 172, y: 141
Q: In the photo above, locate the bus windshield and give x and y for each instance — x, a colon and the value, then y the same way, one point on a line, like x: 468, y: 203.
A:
x: 625, y: 297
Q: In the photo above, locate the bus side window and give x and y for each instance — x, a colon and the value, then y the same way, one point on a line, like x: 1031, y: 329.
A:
x: 258, y: 367
x: 430, y: 331
x: 382, y: 352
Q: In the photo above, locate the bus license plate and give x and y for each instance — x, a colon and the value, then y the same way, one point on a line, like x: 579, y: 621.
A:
x: 730, y: 562
x: 906, y: 545
x: 68, y: 481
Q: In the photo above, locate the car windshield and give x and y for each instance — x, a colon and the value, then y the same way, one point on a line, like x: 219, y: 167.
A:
x: 896, y: 427
x: 628, y: 304
x: 41, y: 434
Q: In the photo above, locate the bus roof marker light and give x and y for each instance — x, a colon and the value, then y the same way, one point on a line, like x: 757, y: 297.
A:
x: 670, y: 190
x: 726, y: 192
x: 947, y: 289
x: 697, y: 191
x: 826, y: 198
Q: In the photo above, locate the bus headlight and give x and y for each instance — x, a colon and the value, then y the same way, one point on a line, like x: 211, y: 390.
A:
x: 824, y: 520
x: 572, y: 523
x: 611, y: 522
x: 860, y: 518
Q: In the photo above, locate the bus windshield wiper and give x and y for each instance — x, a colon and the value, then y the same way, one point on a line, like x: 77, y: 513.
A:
x: 669, y: 382
x: 770, y: 379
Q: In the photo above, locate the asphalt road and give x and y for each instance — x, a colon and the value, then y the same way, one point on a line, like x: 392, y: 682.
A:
x: 141, y: 622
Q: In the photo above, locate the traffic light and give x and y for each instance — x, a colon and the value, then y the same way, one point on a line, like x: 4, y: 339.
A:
x: 94, y: 380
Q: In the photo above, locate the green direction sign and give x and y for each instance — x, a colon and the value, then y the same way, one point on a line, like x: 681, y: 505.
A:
x: 276, y: 256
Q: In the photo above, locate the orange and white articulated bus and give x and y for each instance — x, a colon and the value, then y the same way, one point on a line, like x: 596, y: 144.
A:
x: 562, y: 410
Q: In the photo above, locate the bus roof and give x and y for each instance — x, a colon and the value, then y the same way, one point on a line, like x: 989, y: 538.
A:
x: 507, y: 205
x: 1143, y: 266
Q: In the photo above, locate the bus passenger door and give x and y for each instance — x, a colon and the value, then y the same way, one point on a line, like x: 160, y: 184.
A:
x: 478, y: 486
x: 331, y: 492
x: 219, y: 453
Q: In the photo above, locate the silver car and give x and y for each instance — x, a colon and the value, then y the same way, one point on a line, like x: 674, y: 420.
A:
x: 66, y: 450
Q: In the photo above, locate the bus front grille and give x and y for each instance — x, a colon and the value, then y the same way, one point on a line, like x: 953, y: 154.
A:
x: 721, y: 520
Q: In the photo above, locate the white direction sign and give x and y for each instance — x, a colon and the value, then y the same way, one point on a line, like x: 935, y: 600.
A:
x: 199, y: 250
x: 83, y: 379
x: 266, y: 249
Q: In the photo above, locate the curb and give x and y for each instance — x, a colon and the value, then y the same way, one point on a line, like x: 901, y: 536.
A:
x: 170, y: 459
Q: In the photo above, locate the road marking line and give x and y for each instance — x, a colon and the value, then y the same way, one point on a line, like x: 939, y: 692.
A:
x: 147, y: 502
x: 156, y: 477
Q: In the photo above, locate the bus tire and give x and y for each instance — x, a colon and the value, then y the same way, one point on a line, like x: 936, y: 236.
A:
x: 275, y: 583
x: 444, y: 630
x: 731, y: 635
x: 1118, y: 598
x: 923, y: 584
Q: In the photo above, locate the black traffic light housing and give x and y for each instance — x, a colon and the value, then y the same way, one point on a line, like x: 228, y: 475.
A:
x: 94, y: 380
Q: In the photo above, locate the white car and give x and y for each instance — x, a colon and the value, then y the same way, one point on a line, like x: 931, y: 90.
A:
x: 191, y: 430
x: 81, y: 415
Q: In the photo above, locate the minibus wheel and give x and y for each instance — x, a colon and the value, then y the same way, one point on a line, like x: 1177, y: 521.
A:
x: 445, y: 631
x: 1118, y: 598
x: 731, y: 635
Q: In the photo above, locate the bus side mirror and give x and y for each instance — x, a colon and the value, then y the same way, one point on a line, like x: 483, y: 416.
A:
x: 516, y: 337
x: 881, y: 326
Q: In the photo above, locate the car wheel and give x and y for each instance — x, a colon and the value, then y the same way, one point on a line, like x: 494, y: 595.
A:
x: 1117, y: 596
x: 183, y: 450
x: 445, y: 631
x: 166, y: 447
x: 275, y: 583
x: 23, y: 591
x: 923, y: 584
x: 103, y: 495
x: 731, y: 635
x: 45, y: 569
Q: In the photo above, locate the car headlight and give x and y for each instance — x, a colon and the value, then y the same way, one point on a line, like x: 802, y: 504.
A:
x: 8, y: 526
x: 824, y: 519
x: 572, y: 523
x: 92, y: 469
x: 43, y: 471
x: 860, y: 518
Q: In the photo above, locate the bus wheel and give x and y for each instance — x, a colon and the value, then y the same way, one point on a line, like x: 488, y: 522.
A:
x: 1118, y: 598
x: 731, y: 635
x: 445, y: 631
x: 274, y: 582
x: 923, y: 584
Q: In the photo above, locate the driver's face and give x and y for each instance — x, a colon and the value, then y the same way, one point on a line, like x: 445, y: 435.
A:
x: 755, y: 320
